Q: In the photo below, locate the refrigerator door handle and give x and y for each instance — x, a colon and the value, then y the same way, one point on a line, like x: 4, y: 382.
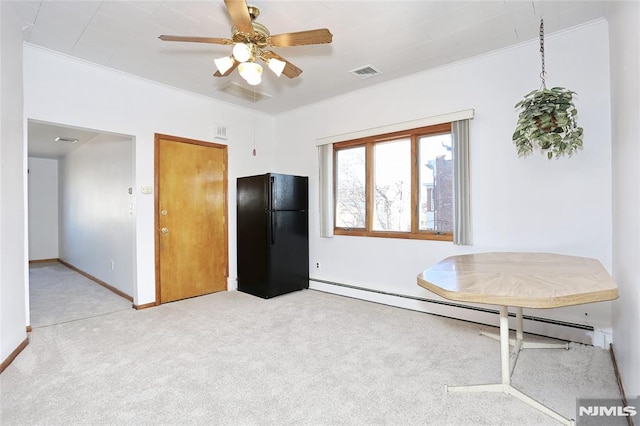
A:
x: 272, y: 192
x: 272, y: 219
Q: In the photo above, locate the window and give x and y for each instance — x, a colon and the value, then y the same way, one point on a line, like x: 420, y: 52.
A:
x: 392, y: 185
x: 397, y: 185
x: 435, y: 179
x: 350, y: 188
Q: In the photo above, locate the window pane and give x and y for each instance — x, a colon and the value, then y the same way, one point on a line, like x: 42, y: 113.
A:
x: 350, y: 188
x: 435, y: 170
x: 392, y: 190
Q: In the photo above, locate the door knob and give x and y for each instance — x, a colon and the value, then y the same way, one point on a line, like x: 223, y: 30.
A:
x: 165, y: 230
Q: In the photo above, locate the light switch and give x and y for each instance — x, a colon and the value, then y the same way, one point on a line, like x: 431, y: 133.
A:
x: 146, y: 189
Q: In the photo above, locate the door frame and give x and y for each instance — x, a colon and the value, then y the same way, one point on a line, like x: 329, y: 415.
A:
x: 156, y: 214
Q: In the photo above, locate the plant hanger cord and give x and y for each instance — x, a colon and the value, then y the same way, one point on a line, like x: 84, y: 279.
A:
x: 543, y: 74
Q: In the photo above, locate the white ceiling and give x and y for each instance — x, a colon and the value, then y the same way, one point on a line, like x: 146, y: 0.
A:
x: 396, y: 37
x: 43, y: 144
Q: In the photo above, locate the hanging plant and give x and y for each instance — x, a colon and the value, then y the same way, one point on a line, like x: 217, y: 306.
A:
x: 547, y: 119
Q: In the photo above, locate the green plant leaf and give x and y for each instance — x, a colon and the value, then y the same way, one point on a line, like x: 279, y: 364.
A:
x: 547, y: 121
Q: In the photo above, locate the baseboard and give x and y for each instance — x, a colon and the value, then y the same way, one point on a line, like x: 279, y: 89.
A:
x: 623, y: 395
x: 485, y: 316
x: 144, y: 306
x: 29, y: 329
x: 44, y: 261
x: 232, y: 284
x: 13, y: 355
x: 97, y: 281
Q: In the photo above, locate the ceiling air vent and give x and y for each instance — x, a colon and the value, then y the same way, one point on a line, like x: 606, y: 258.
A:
x: 67, y: 140
x: 240, y: 91
x: 365, y: 72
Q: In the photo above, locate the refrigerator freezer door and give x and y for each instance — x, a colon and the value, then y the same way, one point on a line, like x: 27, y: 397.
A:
x: 252, y: 193
x: 288, y: 192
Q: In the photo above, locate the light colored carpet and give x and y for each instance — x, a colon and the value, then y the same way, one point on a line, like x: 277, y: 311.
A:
x: 306, y: 358
x: 58, y: 294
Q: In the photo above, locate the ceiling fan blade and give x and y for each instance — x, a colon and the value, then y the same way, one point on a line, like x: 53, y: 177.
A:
x: 290, y: 70
x: 239, y: 13
x: 229, y: 71
x: 301, y: 38
x: 213, y: 40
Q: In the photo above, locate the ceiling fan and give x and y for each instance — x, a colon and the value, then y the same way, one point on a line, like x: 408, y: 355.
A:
x: 250, y: 39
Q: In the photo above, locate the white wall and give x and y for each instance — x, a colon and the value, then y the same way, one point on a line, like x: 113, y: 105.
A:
x: 624, y: 32
x: 518, y: 204
x: 97, y: 225
x: 13, y: 258
x: 530, y: 204
x: 81, y: 94
x: 43, y: 208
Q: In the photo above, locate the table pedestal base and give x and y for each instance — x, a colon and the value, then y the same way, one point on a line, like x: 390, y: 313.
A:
x: 507, y: 366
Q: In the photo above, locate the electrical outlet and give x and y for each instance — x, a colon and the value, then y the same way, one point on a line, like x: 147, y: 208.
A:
x: 112, y: 263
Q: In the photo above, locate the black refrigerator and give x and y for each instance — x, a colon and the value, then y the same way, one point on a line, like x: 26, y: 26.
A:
x: 273, y: 234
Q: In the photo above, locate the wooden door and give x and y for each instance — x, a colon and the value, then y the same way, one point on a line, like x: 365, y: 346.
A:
x: 191, y: 225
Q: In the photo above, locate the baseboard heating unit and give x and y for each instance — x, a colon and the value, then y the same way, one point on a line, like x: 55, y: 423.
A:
x: 562, y: 330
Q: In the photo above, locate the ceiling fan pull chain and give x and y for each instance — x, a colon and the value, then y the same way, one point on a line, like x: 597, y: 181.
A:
x: 254, y: 122
x: 543, y: 74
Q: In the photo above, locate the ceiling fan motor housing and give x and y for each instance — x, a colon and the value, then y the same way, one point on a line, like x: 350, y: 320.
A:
x: 260, y: 37
x: 254, y: 12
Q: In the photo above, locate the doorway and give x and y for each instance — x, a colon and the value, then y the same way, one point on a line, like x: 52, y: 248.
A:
x: 191, y: 218
x: 81, y: 211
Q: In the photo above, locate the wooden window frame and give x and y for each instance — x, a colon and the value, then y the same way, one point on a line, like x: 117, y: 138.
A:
x: 369, y: 142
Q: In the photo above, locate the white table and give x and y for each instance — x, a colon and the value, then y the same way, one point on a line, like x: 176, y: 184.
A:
x: 519, y: 280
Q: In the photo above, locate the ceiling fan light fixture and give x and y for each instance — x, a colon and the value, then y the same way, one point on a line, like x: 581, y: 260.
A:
x: 242, y: 52
x: 276, y: 65
x: 255, y: 81
x: 251, y: 72
x: 249, y: 39
x: 224, y: 64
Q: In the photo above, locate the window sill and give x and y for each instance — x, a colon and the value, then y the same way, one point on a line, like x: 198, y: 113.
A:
x: 398, y: 235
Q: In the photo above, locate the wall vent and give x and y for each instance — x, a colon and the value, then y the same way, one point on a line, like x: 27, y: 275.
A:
x: 236, y: 89
x: 221, y: 131
x: 365, y: 72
